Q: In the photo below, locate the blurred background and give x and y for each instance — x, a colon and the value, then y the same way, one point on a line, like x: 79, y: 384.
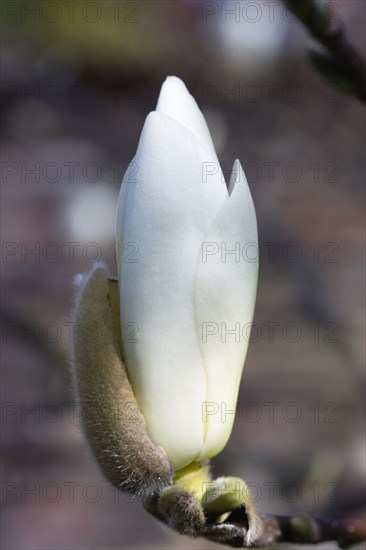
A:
x: 78, y: 80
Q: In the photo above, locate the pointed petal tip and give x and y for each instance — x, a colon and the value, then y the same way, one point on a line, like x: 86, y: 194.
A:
x: 173, y: 97
x: 239, y: 171
x: 237, y: 175
x: 172, y: 79
x: 177, y: 102
x: 171, y: 85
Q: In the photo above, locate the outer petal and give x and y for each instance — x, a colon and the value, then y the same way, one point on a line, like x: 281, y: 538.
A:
x: 224, y: 301
x: 121, y: 213
x: 176, y: 102
x: 168, y: 211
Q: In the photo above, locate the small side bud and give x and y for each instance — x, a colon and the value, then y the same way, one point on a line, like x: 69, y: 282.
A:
x: 181, y: 511
x: 113, y: 424
x: 304, y: 529
x: 225, y: 494
x: 230, y: 512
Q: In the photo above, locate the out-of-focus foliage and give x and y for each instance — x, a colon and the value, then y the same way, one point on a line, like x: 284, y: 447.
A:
x: 107, y: 33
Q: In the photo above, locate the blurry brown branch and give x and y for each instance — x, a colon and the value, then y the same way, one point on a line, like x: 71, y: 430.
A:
x: 342, y: 65
x: 304, y: 529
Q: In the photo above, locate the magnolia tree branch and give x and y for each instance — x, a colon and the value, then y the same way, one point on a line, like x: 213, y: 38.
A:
x: 304, y: 529
x: 340, y: 64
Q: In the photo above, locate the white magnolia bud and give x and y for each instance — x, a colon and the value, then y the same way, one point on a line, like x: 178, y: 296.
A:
x: 187, y: 265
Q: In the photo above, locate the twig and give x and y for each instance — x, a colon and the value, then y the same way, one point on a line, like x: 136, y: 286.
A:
x: 343, y: 65
x: 304, y: 529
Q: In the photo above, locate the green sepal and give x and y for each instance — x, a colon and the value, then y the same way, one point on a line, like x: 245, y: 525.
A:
x: 225, y: 494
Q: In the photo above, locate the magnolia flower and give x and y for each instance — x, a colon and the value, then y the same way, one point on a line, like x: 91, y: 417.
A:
x: 189, y: 287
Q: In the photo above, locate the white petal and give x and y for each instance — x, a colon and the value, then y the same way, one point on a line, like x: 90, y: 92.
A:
x: 176, y: 102
x: 121, y: 214
x: 224, y: 301
x: 169, y: 210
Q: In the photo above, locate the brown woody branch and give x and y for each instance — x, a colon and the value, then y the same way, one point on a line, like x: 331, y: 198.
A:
x: 304, y: 529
